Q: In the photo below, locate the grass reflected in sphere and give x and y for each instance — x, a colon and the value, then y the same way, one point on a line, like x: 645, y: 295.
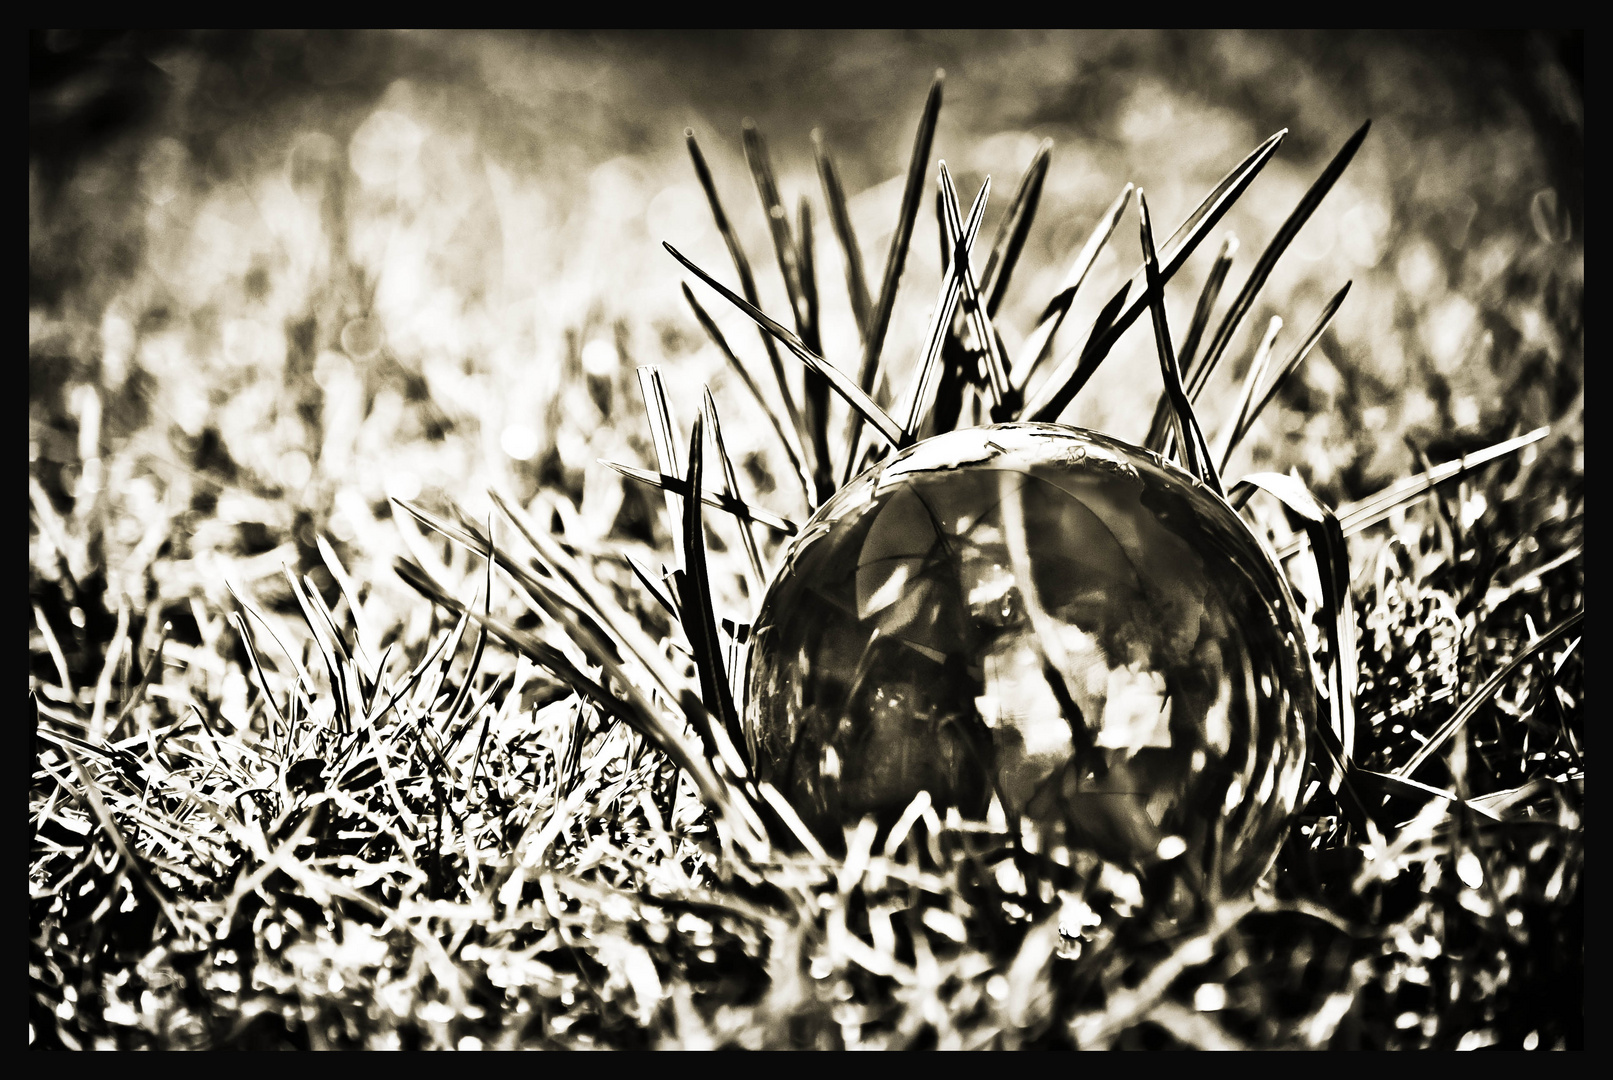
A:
x: 1049, y: 617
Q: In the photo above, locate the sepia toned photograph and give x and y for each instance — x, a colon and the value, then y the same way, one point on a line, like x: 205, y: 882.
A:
x: 785, y: 540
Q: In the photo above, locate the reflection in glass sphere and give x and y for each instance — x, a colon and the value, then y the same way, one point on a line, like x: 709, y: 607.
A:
x: 1049, y: 617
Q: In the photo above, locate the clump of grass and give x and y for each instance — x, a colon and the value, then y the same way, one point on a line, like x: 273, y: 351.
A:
x: 525, y: 818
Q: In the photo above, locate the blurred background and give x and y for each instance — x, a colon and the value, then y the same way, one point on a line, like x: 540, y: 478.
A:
x: 275, y: 278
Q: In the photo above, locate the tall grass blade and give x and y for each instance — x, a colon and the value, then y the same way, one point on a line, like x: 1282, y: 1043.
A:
x: 1228, y: 438
x: 747, y: 281
x: 1360, y: 516
x: 730, y: 477
x: 1333, y: 569
x: 1011, y: 234
x: 1080, y: 363
x: 901, y: 238
x: 778, y: 226
x: 815, y: 388
x: 652, y: 582
x: 940, y: 329
x: 663, y: 438
x: 257, y: 665
x: 840, y: 218
x: 699, y: 619
x: 1208, y: 295
x: 847, y: 388
x: 786, y: 435
x: 974, y: 310
x: 366, y: 645
x: 1040, y: 341
x: 1274, y: 251
x: 1290, y: 365
x: 1196, y: 453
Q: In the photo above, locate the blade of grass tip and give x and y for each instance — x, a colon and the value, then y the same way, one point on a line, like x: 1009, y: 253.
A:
x: 1486, y: 692
x: 700, y: 622
x: 815, y: 387
x: 747, y: 281
x: 366, y: 644
x: 902, y: 236
x: 840, y: 218
x: 1016, y: 226
x: 103, y: 685
x: 337, y: 689
x: 1295, y: 358
x: 1160, y: 425
x: 1228, y: 438
x: 652, y: 583
x: 1333, y: 570
x: 663, y: 438
x: 1274, y: 251
x: 1196, y: 452
x: 474, y: 666
x: 1039, y: 344
x: 873, y: 364
x: 974, y: 310
x: 1079, y: 364
x: 778, y: 223
x: 257, y: 665
x: 730, y: 476
x: 786, y: 435
x: 946, y: 304
x: 715, y: 499
x: 847, y: 388
x: 1360, y: 516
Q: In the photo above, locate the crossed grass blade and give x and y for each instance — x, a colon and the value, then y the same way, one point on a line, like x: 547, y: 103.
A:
x: 747, y: 281
x: 846, y: 387
x: 1040, y: 342
x: 1301, y: 351
x: 719, y: 500
x: 786, y: 435
x: 1159, y: 427
x: 753, y: 557
x: 1195, y: 451
x: 1274, y: 251
x: 979, y: 318
x: 1080, y: 363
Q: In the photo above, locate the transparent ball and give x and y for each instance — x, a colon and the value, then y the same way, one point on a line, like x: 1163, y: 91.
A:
x: 1045, y: 616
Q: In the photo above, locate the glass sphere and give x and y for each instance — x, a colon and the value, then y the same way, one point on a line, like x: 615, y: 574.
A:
x: 1045, y: 616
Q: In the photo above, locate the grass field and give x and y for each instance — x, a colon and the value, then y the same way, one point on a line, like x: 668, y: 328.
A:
x: 314, y: 320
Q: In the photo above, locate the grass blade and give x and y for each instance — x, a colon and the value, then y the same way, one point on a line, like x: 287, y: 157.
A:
x: 1196, y: 453
x: 103, y: 685
x: 979, y: 319
x: 720, y: 500
x: 365, y: 643
x: 663, y: 438
x: 786, y: 435
x: 1274, y: 251
x: 1295, y: 358
x: 1333, y: 569
x: 1251, y: 379
x: 840, y: 217
x: 902, y: 237
x: 778, y: 226
x: 815, y: 388
x: 731, y: 486
x: 257, y: 665
x: 699, y: 620
x: 1360, y: 516
x: 1040, y: 341
x: 941, y: 323
x: 747, y: 281
x: 848, y: 389
x: 1080, y: 363
x: 1208, y: 295
x: 1011, y: 234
